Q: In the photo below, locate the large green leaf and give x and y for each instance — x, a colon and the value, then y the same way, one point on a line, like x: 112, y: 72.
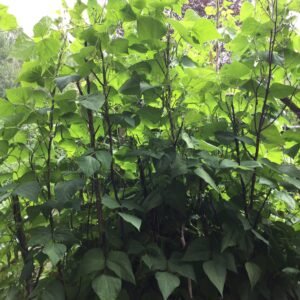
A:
x: 41, y: 28
x: 131, y: 86
x: 64, y: 81
x: 206, y: 177
x: 4, y: 146
x: 55, y: 251
x: 107, y: 287
x: 167, y: 283
x: 197, y: 250
x: 64, y: 191
x: 48, y: 49
x: 177, y: 265
x: 7, y: 21
x: 109, y: 202
x: 88, y: 165
x: 133, y: 220
x: 216, y: 272
x: 205, y: 31
x: 119, y: 263
x: 144, y: 23
x: 154, y: 258
x: 53, y: 290
x: 92, y: 102
x: 29, y: 190
x: 254, y: 273
x: 93, y: 261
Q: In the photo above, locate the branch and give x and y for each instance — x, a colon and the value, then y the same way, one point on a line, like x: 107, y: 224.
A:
x: 292, y: 106
x: 20, y: 234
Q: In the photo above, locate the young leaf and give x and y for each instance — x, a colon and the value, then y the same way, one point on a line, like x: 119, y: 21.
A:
x: 216, y: 272
x: 133, y: 220
x: 167, y: 283
x: 254, y: 273
x: 107, y: 287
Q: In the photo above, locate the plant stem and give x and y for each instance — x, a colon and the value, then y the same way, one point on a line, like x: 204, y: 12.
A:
x: 272, y: 41
x: 21, y: 237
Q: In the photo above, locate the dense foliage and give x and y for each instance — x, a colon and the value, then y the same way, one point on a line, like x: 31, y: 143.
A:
x: 146, y: 155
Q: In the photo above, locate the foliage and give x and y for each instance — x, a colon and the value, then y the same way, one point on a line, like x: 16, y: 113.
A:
x: 135, y: 165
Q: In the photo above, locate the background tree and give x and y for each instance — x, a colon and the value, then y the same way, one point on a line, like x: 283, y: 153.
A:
x: 9, y: 67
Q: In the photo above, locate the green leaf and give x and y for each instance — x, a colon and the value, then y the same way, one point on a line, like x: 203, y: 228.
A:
x: 286, y: 198
x: 291, y: 271
x: 188, y: 62
x: 53, y: 290
x: 29, y: 190
x: 254, y: 273
x: 206, y: 177
x: 260, y: 237
x: 55, y: 251
x: 119, y: 45
x: 88, y: 165
x: 64, y: 81
x: 41, y: 28
x: 204, y: 30
x: 279, y: 90
x: 64, y: 191
x: 31, y: 72
x: 107, y: 287
x: 131, y: 86
x: 230, y: 238
x: 203, y: 145
x: 93, y: 261
x: 176, y: 265
x: 133, y: 220
x: 234, y: 71
x: 48, y: 49
x: 167, y: 283
x: 227, y: 163
x: 7, y: 21
x: 155, y: 259
x: 109, y: 202
x: 150, y: 114
x: 105, y: 159
x: 4, y: 146
x: 144, y: 23
x: 4, y: 197
x: 39, y: 236
x: 292, y: 181
x: 216, y: 272
x: 119, y: 263
x: 92, y: 102
x: 198, y: 250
